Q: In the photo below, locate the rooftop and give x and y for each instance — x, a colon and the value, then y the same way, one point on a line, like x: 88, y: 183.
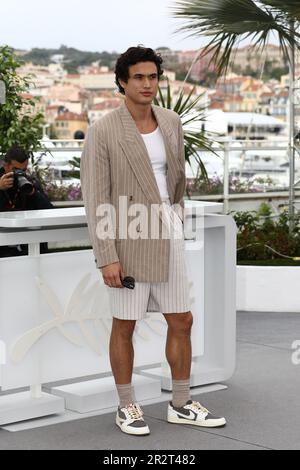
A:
x: 68, y: 116
x: 107, y: 104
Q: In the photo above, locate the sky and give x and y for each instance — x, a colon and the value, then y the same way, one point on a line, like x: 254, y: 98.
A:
x: 91, y: 25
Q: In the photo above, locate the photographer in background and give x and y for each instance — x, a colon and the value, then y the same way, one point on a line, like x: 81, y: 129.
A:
x: 20, y: 192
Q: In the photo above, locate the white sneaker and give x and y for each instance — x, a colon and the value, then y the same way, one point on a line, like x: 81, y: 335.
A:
x: 130, y: 420
x: 194, y: 413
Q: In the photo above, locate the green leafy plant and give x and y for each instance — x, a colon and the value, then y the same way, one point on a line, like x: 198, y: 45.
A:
x: 75, y: 162
x: 16, y: 125
x: 263, y: 236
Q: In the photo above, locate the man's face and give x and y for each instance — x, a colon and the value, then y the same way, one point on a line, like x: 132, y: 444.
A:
x: 14, y: 165
x: 142, y: 84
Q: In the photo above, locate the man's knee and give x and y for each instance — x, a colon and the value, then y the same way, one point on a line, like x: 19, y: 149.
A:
x: 180, y: 323
x: 123, y: 328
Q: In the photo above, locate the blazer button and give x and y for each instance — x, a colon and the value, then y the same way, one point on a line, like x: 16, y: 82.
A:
x: 130, y: 198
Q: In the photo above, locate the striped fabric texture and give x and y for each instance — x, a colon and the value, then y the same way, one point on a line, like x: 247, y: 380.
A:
x: 164, y: 297
x: 115, y: 163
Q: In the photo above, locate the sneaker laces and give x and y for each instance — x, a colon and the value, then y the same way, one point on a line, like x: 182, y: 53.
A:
x: 134, y: 411
x: 197, y: 406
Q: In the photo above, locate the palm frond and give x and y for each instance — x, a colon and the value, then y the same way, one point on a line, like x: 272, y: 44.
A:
x: 181, y: 103
x: 289, y: 7
x: 161, y: 97
x: 227, y: 22
x: 169, y: 97
x: 190, y: 112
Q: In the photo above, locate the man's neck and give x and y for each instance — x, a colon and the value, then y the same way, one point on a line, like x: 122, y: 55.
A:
x: 140, y: 113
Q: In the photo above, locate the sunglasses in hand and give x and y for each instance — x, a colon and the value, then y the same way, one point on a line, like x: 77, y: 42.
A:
x: 128, y: 282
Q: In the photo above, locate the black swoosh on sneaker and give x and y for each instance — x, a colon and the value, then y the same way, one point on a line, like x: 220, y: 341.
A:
x: 189, y: 414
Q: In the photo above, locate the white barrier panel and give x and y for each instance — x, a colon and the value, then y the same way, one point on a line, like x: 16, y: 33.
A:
x: 55, y: 320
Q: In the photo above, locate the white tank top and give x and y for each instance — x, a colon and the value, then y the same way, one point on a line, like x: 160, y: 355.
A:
x: 157, y: 152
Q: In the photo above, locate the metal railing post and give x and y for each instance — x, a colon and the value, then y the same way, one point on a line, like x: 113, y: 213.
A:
x: 292, y: 135
x: 226, y: 177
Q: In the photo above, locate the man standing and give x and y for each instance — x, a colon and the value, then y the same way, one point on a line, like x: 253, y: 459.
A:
x: 136, y: 153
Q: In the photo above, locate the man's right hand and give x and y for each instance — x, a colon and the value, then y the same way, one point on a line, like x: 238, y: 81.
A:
x: 113, y: 275
x: 6, y: 181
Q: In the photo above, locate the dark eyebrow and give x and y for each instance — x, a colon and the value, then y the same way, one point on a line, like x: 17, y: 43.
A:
x: 142, y: 75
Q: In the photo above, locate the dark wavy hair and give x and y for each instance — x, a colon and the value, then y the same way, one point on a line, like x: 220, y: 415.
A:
x: 16, y: 153
x: 132, y: 56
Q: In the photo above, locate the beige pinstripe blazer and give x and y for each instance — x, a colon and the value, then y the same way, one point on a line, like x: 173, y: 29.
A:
x: 114, y: 163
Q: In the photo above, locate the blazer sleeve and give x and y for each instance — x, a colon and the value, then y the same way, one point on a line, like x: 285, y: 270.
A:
x: 181, y: 185
x: 96, y: 188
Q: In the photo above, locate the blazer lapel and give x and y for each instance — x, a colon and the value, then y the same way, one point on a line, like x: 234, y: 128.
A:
x: 137, y: 155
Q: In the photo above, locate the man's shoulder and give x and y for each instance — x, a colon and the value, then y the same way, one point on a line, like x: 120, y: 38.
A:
x: 168, y: 114
x: 107, y: 122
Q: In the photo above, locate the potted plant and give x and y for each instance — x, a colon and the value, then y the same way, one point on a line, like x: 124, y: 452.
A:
x: 268, y: 260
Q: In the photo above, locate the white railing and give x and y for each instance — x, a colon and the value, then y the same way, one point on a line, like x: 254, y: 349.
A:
x: 223, y: 147
x: 226, y: 146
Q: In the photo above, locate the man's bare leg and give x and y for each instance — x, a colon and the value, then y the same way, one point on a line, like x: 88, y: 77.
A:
x: 179, y: 354
x: 121, y: 350
x: 122, y: 357
x: 178, y: 345
x: 129, y: 417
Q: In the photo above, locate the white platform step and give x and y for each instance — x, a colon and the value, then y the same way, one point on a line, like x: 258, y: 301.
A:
x: 16, y: 407
x: 91, y: 395
x: 197, y: 379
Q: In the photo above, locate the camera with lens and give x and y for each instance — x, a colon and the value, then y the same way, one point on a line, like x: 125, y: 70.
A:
x: 22, y: 182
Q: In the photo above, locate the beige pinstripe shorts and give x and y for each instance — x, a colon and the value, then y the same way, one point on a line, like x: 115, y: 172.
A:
x: 164, y: 297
